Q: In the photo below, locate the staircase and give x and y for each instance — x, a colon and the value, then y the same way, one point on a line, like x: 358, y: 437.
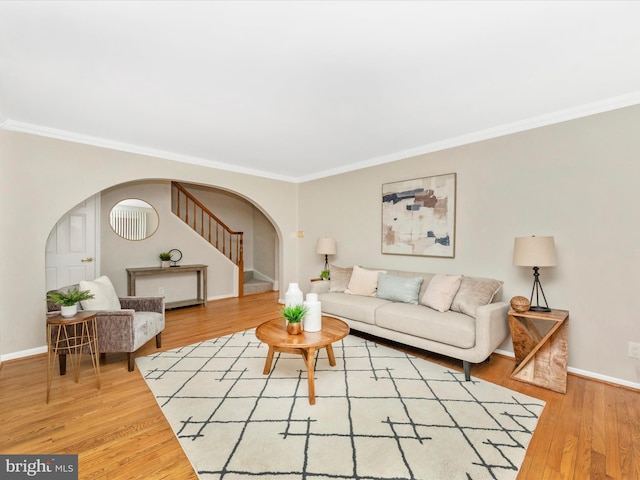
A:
x: 255, y: 285
x: 189, y: 209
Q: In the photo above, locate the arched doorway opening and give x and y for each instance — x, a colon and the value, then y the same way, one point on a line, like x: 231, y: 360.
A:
x: 114, y: 254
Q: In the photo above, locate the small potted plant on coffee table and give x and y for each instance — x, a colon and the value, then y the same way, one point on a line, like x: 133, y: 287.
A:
x: 294, y: 315
x: 68, y: 300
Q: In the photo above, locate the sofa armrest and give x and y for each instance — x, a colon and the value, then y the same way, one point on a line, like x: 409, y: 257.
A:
x: 492, y: 327
x: 143, y: 304
x: 319, y: 287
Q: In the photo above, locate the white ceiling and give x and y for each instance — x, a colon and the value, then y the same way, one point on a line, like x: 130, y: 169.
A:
x: 301, y: 90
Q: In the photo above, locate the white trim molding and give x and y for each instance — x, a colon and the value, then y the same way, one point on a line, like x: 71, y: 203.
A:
x: 587, y: 374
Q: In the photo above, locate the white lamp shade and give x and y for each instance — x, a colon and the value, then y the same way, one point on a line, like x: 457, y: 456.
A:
x: 326, y: 246
x: 534, y: 252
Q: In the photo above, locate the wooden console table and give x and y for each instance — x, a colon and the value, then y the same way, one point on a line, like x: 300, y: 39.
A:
x: 540, y: 359
x: 201, y: 281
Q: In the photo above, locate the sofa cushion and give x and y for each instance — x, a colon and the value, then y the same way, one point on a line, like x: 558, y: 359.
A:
x: 340, y: 277
x: 440, y: 291
x: 398, y: 289
x: 473, y: 293
x: 363, y: 282
x: 451, y: 328
x: 354, y: 307
x: 105, y: 297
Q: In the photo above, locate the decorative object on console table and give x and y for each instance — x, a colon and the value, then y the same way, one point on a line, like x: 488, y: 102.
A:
x: 541, y: 358
x: 175, y: 256
x: 419, y: 216
x: 165, y: 259
x: 535, y: 252
x: 326, y: 246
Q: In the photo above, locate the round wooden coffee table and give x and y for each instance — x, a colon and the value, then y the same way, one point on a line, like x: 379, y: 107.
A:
x: 274, y: 333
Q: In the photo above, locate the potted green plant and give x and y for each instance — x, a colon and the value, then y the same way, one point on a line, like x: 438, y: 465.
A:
x: 324, y: 274
x: 68, y: 300
x: 165, y: 259
x: 294, y: 315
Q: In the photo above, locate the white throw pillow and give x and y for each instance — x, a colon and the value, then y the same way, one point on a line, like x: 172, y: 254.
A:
x: 440, y: 291
x: 363, y: 282
x: 105, y: 295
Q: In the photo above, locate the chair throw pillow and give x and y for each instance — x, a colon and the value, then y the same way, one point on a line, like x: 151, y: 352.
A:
x: 363, y: 282
x: 105, y: 295
x: 340, y: 277
x: 398, y: 289
x: 473, y: 293
x: 440, y: 291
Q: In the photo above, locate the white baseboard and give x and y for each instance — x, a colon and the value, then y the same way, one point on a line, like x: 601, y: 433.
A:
x: 588, y: 374
x: 218, y: 297
x: 506, y: 353
x: 23, y: 353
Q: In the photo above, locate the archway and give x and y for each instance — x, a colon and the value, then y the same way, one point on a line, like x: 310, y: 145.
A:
x: 115, y: 253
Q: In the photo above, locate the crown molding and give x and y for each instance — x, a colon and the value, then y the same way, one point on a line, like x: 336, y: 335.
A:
x: 560, y: 116
x: 487, y: 134
x: 136, y: 149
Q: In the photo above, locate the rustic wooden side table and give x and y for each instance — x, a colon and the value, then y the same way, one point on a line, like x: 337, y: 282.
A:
x: 72, y: 335
x: 541, y: 359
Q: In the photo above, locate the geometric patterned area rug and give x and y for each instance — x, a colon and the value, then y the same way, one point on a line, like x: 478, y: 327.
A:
x: 380, y: 414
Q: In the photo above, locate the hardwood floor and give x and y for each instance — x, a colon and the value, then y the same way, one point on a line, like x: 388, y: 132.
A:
x: 119, y: 432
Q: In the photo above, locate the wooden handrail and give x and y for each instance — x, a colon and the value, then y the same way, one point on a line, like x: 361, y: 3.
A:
x: 206, y: 217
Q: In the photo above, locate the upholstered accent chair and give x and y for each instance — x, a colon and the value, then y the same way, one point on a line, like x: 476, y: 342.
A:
x: 126, y: 328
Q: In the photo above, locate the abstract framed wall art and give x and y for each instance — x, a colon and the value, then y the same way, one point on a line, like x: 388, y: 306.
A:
x: 419, y: 216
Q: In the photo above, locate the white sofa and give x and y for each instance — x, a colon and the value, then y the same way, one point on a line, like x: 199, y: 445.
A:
x: 471, y: 325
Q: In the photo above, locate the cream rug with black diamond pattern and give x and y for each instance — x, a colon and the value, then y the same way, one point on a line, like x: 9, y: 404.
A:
x: 379, y: 414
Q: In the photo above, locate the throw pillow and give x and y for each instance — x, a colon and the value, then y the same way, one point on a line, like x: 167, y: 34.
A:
x: 363, y: 282
x: 398, y: 289
x: 105, y: 295
x: 340, y: 277
x: 440, y: 291
x: 473, y: 293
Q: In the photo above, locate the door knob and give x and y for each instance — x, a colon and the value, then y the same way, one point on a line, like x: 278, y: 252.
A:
x: 88, y: 259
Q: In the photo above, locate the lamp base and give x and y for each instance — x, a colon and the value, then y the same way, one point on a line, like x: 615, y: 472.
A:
x: 539, y: 309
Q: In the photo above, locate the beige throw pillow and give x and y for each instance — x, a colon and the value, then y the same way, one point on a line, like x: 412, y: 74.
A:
x: 440, y: 291
x: 340, y: 277
x: 363, y: 282
x: 473, y: 293
x: 105, y: 295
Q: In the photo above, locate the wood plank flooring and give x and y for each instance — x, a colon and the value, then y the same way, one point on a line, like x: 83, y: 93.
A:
x: 119, y: 432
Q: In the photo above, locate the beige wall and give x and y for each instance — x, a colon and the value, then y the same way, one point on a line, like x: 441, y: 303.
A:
x: 577, y: 181
x: 43, y: 178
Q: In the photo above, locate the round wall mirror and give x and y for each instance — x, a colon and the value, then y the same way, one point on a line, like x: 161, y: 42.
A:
x: 133, y: 219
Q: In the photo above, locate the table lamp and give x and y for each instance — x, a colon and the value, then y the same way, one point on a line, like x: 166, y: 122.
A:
x: 326, y: 246
x: 535, y: 252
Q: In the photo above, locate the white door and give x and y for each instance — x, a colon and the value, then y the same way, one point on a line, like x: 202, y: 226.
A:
x: 71, y: 247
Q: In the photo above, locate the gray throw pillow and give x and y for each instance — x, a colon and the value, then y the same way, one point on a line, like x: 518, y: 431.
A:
x: 398, y: 289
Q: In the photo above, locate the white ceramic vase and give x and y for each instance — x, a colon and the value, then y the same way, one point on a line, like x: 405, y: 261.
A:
x: 69, y: 311
x: 313, y: 318
x: 293, y: 296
